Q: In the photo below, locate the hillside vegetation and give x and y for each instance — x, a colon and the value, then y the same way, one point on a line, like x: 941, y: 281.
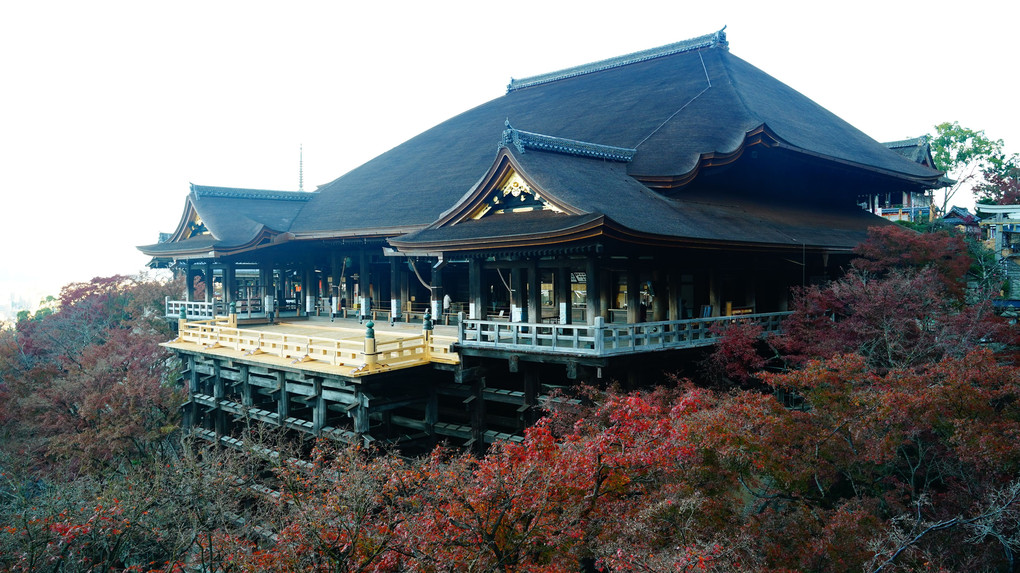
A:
x: 879, y: 432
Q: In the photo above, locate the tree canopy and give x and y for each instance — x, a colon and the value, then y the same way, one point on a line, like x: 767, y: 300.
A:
x: 879, y: 432
x: 972, y: 160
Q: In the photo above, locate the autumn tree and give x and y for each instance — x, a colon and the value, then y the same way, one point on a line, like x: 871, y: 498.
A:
x: 89, y: 384
x: 1001, y: 186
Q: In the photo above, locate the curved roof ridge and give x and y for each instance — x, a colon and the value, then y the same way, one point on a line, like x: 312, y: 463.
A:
x: 539, y: 142
x: 240, y: 193
x: 715, y: 39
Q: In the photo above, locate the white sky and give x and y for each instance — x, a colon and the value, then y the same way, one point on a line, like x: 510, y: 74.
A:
x: 109, y: 109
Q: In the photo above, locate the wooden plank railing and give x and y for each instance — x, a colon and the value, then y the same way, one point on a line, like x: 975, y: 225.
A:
x: 194, y: 309
x: 602, y: 339
x: 400, y: 352
x: 404, y: 351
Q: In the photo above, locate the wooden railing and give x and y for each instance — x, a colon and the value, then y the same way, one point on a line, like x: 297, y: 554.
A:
x: 194, y: 309
x: 199, y: 310
x: 602, y: 339
x: 222, y: 332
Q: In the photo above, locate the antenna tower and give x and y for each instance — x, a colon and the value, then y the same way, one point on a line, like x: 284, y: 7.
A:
x: 301, y: 168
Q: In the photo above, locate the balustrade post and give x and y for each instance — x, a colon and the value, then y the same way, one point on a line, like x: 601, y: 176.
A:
x: 371, y: 356
x: 599, y: 331
x: 426, y: 333
x: 460, y: 327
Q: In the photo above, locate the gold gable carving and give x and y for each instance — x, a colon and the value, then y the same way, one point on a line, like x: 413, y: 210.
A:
x: 195, y: 226
x: 512, y: 194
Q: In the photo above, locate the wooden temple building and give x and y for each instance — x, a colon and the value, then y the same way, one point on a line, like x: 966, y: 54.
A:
x: 589, y: 223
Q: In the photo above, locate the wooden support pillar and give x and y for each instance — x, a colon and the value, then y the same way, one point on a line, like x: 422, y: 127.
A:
x: 713, y: 295
x: 660, y: 297
x: 282, y: 401
x: 633, y: 294
x: 476, y: 405
x: 534, y: 292
x: 438, y: 292
x: 607, y: 293
x: 209, y: 281
x: 364, y: 284
x: 309, y: 287
x: 476, y: 290
x: 396, y: 302
x: 335, y: 264
x: 191, y: 412
x: 529, y: 411
x: 219, y: 416
x: 246, y: 398
x: 563, y: 295
x: 593, y: 294
x: 189, y: 281
x: 405, y: 288
x: 518, y: 313
x: 266, y: 289
x: 359, y: 413
x: 431, y: 411
x: 675, y: 310
x: 319, y: 409
x: 229, y: 283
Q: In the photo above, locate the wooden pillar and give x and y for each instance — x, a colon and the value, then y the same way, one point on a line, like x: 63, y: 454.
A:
x: 246, y: 398
x: 476, y: 404
x: 335, y: 264
x: 713, y: 295
x: 563, y: 295
x: 208, y: 281
x: 282, y: 401
x: 518, y: 313
x: 534, y: 292
x: 319, y: 410
x: 228, y: 283
x: 476, y: 289
x: 633, y: 294
x: 219, y: 416
x: 438, y: 292
x: 396, y: 303
x: 675, y: 311
x: 405, y: 288
x: 528, y: 411
x: 660, y: 297
x: 364, y: 284
x: 593, y: 294
x: 189, y: 281
x: 607, y: 293
x: 191, y: 413
x: 431, y: 411
x: 360, y: 414
x: 266, y: 290
x: 309, y: 286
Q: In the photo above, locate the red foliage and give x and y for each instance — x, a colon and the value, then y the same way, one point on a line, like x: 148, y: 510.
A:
x: 89, y: 383
x: 893, y: 247
x: 1001, y: 188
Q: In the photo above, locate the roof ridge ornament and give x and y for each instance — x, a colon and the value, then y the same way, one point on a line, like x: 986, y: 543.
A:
x: 522, y: 140
x: 713, y: 40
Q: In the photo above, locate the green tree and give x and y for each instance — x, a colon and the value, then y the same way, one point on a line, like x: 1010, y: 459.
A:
x: 965, y: 155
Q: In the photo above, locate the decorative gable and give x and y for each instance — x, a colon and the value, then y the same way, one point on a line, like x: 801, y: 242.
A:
x: 190, y: 226
x: 513, y: 194
x: 195, y: 226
